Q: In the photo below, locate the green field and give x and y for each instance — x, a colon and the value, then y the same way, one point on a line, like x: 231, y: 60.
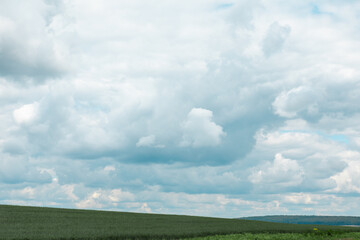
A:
x: 285, y: 236
x: 18, y: 222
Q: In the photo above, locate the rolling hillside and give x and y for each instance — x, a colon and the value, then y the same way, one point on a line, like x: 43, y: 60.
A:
x: 323, y: 220
x: 17, y: 222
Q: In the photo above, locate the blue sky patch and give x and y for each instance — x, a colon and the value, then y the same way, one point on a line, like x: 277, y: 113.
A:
x: 224, y: 6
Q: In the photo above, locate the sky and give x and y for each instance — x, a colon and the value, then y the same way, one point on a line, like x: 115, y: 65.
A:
x: 208, y: 107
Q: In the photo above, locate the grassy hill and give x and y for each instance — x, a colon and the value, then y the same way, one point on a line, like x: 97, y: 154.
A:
x: 296, y: 219
x: 17, y: 222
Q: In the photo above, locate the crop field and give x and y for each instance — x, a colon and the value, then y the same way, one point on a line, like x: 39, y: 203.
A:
x: 285, y: 236
x: 38, y: 223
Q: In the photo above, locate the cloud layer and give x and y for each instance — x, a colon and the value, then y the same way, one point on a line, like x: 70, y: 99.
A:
x: 207, y: 108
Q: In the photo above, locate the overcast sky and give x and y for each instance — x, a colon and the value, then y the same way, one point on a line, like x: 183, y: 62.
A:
x: 207, y: 107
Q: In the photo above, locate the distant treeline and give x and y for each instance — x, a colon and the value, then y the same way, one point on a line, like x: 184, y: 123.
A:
x: 321, y: 220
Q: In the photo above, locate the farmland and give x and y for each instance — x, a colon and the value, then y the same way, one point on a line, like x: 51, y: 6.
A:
x: 30, y: 223
x: 285, y: 236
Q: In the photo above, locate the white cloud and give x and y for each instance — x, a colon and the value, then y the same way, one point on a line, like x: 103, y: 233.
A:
x: 275, y: 38
x: 26, y: 113
x: 297, y: 198
x: 290, y: 103
x: 199, y: 129
x: 146, y: 141
x: 138, y: 68
x: 69, y: 191
x: 109, y: 168
x: 282, y: 171
x: 145, y: 208
x: 30, y: 52
x: 17, y: 169
x: 102, y: 198
x: 28, y: 193
x: 312, y: 160
x: 348, y: 181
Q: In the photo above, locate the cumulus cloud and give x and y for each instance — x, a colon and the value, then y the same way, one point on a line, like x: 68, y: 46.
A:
x: 146, y: 141
x: 145, y: 208
x: 200, y: 130
x: 110, y: 88
x: 18, y: 170
x: 29, y: 51
x: 290, y: 103
x: 282, y: 171
x: 275, y: 38
x: 99, y: 198
x: 26, y: 114
x: 312, y: 159
x: 348, y: 180
x: 300, y: 198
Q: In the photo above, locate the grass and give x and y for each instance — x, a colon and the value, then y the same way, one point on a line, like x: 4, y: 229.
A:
x: 38, y: 223
x: 284, y: 236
